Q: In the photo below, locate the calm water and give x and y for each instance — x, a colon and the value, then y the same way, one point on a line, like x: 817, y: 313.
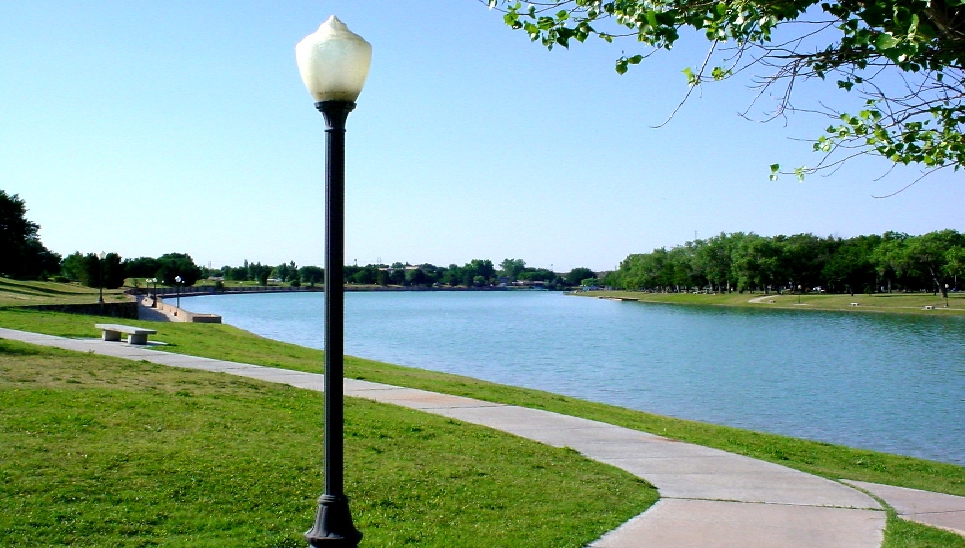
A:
x: 891, y: 383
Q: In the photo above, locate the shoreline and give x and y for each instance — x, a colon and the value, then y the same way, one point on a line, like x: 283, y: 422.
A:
x: 832, y: 460
x: 638, y: 410
x: 909, y: 304
x: 212, y: 290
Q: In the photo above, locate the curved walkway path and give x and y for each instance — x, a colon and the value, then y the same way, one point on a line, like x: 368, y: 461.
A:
x: 709, y: 498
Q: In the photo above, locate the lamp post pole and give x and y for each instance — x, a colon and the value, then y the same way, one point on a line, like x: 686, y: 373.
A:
x: 334, y: 63
x: 177, y: 280
x: 334, y: 518
x: 100, y: 277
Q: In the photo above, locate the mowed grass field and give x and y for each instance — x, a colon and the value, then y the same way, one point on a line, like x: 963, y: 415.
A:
x: 97, y: 451
x: 902, y: 303
x: 21, y: 293
x: 227, y: 342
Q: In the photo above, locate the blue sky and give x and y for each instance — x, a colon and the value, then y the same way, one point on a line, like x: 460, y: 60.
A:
x: 146, y: 128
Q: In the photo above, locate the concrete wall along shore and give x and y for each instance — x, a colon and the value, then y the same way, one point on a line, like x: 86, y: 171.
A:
x: 181, y: 315
x: 127, y: 310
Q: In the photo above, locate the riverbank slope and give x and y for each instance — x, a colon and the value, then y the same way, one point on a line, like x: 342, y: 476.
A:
x: 895, y: 303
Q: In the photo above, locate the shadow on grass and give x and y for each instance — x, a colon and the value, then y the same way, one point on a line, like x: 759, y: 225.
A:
x: 8, y: 348
x: 33, y: 290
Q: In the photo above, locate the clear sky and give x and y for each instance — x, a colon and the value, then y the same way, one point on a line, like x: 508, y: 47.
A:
x: 146, y: 128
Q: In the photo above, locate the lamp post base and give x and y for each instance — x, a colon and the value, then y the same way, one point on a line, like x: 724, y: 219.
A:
x: 333, y: 524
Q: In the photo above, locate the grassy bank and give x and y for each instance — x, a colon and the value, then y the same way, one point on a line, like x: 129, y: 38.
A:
x: 229, y: 343
x: 21, y: 293
x: 97, y: 451
x: 901, y: 303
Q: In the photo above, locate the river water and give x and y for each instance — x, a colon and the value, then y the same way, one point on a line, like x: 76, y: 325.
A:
x: 893, y: 383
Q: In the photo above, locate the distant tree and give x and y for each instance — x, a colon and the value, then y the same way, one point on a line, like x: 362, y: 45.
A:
x: 577, y: 275
x: 955, y: 263
x: 22, y: 255
x: 536, y: 275
x: 141, y: 267
x: 483, y: 267
x: 415, y: 277
x: 93, y: 273
x: 511, y: 268
x: 75, y: 267
x: 928, y: 255
x: 236, y: 273
x: 851, y: 267
x: 173, y: 265
x: 259, y: 272
x: 312, y: 274
x: 890, y: 257
x: 281, y: 272
x: 368, y: 274
x: 113, y: 271
x: 453, y: 276
x: 397, y: 275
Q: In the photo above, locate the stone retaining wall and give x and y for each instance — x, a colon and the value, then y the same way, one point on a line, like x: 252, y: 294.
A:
x: 127, y: 310
x: 182, y: 315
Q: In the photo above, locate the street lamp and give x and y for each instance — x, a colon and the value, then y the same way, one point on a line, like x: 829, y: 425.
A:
x: 945, y: 294
x: 153, y: 299
x: 100, y: 277
x: 177, y: 280
x: 334, y: 63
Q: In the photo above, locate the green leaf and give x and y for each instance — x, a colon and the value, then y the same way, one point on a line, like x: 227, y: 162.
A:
x: 692, y: 78
x: 886, y: 41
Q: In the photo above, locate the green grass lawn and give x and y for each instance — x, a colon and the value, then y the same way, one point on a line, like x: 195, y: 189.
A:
x: 97, y: 451
x: 902, y: 303
x: 21, y: 293
x: 223, y: 341
x: 823, y: 459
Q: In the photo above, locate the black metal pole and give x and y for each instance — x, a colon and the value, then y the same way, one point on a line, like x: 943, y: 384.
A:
x: 100, y: 280
x: 154, y: 300
x: 179, y: 293
x: 333, y: 521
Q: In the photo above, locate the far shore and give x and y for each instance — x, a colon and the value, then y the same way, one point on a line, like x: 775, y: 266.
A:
x: 924, y: 304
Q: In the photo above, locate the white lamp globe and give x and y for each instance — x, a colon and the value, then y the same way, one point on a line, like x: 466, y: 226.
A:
x: 333, y: 62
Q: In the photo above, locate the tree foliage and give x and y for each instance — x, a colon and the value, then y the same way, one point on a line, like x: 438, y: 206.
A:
x: 903, y: 57
x: 22, y: 255
x: 173, y: 265
x: 738, y: 261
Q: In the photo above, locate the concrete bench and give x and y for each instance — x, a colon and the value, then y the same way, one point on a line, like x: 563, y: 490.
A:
x: 135, y: 335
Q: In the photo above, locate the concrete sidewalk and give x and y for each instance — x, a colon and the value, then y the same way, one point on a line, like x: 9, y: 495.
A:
x: 935, y: 509
x: 709, y: 498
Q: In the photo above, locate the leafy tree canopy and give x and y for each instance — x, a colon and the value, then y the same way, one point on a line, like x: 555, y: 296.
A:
x: 904, y: 57
x: 173, y: 265
x: 22, y: 255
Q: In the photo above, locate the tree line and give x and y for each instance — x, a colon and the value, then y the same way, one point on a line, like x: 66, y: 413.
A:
x: 802, y: 262
x: 475, y: 273
x: 23, y: 256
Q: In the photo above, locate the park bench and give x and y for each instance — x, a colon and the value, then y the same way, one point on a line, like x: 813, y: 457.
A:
x: 135, y: 335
